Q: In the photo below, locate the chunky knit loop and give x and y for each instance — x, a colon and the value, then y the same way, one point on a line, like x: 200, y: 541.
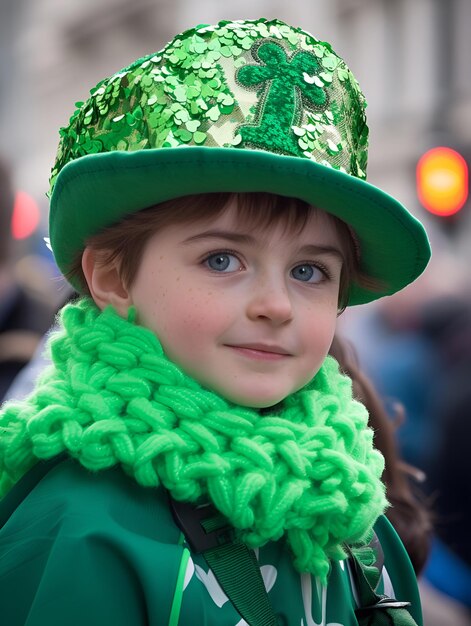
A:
x: 305, y: 469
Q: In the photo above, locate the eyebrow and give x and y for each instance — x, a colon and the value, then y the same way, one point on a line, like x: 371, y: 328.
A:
x: 221, y: 234
x: 249, y: 239
x: 327, y: 250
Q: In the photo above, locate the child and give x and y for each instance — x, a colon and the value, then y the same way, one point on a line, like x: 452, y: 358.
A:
x: 192, y: 444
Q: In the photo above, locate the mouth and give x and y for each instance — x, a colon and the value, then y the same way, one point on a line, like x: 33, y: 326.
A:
x: 261, y: 351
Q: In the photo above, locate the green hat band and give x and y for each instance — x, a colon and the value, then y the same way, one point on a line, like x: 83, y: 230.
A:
x: 254, y: 85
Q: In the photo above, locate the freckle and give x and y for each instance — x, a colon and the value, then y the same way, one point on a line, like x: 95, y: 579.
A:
x: 161, y: 258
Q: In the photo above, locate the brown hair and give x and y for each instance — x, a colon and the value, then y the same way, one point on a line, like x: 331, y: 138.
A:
x: 408, y: 513
x: 124, y: 242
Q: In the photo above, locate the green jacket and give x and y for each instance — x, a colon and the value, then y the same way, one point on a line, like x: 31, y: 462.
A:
x: 79, y: 548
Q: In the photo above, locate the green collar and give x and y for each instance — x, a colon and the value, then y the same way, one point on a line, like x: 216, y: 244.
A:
x: 306, y: 470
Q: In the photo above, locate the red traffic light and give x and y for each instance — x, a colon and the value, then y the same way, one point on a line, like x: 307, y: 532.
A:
x: 442, y: 181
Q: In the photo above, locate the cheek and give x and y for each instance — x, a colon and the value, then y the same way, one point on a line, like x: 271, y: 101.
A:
x: 187, y: 316
x: 319, y: 330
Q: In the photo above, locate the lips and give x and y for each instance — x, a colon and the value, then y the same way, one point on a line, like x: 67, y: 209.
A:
x: 262, y: 347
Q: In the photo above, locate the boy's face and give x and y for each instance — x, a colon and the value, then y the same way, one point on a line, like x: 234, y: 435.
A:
x: 248, y: 313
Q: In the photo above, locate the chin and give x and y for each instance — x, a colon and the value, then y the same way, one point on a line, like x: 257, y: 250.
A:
x: 256, y: 400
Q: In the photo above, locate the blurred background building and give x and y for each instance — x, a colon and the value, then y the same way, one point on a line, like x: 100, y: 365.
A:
x: 411, y: 58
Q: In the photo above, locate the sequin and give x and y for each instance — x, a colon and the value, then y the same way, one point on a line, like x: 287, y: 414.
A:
x: 332, y: 146
x: 300, y: 132
x: 199, y: 137
x: 193, y: 126
x: 213, y: 114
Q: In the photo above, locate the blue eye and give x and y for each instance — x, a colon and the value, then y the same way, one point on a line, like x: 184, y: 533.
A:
x: 307, y: 273
x: 223, y: 262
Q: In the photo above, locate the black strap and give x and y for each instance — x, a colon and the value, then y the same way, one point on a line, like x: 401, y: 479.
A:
x: 234, y: 565
x: 376, y: 609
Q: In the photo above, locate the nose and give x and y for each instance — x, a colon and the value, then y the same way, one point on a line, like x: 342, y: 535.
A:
x: 270, y: 301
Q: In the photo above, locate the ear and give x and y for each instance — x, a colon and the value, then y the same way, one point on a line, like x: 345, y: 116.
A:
x: 105, y: 283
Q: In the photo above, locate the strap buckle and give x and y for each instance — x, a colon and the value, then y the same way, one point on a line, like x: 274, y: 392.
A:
x: 384, y: 603
x: 192, y: 519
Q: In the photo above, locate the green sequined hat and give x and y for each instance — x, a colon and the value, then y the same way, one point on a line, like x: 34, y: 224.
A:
x: 241, y: 106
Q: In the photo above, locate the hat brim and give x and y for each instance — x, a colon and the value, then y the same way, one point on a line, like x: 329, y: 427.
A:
x: 96, y: 191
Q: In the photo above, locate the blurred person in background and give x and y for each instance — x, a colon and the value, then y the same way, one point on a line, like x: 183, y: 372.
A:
x: 446, y: 324
x: 23, y: 317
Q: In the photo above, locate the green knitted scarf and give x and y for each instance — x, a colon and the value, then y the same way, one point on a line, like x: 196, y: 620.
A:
x: 305, y: 469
